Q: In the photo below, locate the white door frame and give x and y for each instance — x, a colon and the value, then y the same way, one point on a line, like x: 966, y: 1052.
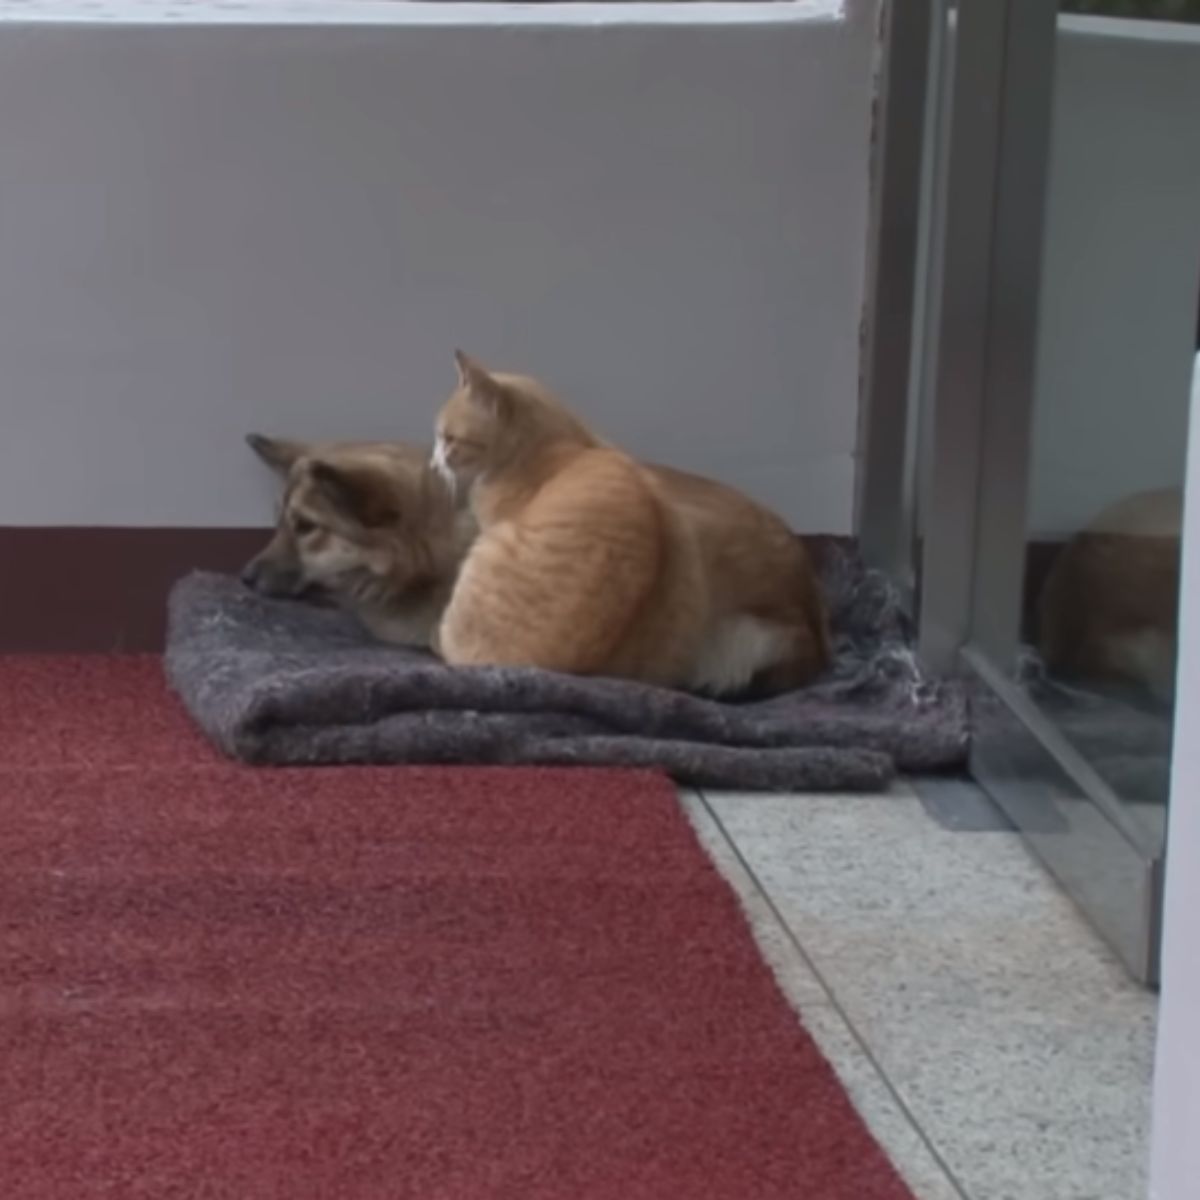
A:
x: 1175, y: 1158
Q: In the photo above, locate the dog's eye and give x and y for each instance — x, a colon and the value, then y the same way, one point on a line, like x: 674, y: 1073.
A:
x: 302, y: 525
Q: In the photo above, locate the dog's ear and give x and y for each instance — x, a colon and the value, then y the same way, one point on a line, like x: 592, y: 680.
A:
x: 277, y: 453
x: 481, y: 385
x: 358, y: 493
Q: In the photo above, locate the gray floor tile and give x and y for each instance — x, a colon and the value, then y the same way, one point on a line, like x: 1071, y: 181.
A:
x: 774, y: 941
x: 884, y: 1115
x: 959, y: 805
x: 1015, y: 1040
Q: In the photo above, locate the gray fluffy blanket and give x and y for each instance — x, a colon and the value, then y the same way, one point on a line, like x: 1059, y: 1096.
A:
x: 291, y: 683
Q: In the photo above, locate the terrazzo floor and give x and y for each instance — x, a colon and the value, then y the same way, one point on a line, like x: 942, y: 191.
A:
x: 994, y: 1045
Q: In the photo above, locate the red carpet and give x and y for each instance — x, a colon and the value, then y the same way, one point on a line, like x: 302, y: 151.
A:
x: 383, y: 984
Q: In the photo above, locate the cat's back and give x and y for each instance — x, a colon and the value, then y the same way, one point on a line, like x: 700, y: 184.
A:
x: 591, y: 512
x: 754, y: 560
x: 600, y: 489
x: 1109, y: 606
x: 583, y: 569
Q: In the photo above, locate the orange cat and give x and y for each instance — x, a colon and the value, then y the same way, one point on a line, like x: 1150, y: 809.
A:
x: 1109, y: 609
x: 768, y: 624
x: 589, y: 563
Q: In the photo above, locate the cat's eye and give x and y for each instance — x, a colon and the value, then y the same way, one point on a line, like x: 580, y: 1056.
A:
x: 302, y: 526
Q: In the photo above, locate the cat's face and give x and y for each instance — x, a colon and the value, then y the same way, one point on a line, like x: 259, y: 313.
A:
x: 473, y: 425
x: 492, y: 422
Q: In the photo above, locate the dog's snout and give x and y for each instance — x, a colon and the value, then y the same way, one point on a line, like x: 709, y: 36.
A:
x: 251, y: 573
x: 264, y: 575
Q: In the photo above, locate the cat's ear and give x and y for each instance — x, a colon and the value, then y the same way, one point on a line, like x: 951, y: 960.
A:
x: 362, y: 495
x: 277, y: 453
x: 480, y: 384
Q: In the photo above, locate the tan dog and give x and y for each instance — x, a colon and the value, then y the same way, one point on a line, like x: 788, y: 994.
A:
x: 769, y: 628
x: 368, y: 524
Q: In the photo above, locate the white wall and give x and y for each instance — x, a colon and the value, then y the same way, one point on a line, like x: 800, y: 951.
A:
x: 206, y: 230
x: 1121, y: 268
x: 1175, y: 1165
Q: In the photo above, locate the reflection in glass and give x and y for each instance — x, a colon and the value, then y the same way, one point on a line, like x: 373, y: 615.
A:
x: 1117, y: 348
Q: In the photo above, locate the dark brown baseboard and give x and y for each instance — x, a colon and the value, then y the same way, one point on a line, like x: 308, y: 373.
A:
x: 84, y: 590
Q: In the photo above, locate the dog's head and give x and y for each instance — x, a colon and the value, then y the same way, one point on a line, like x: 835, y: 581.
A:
x: 354, y: 519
